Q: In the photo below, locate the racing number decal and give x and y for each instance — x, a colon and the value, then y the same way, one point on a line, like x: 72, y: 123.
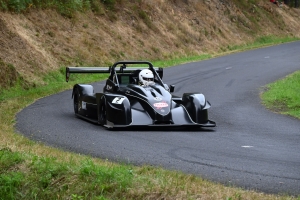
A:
x: 118, y: 100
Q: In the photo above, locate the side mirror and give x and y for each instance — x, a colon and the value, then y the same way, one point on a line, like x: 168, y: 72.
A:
x: 172, y: 87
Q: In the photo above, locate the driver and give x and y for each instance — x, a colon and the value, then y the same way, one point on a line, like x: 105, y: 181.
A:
x: 146, y: 77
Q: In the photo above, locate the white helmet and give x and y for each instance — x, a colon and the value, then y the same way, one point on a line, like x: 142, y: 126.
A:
x: 146, y: 77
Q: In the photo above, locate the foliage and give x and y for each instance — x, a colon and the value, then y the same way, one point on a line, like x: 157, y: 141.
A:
x: 9, y: 180
x: 9, y: 159
x: 283, y: 96
x: 110, y: 4
x: 66, y: 8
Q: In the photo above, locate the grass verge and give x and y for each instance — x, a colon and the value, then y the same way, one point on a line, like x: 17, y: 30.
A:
x: 31, y: 170
x: 267, y: 40
x: 283, y: 96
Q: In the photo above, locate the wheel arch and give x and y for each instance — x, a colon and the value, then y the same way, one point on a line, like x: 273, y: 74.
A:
x: 196, y: 105
x: 118, y: 113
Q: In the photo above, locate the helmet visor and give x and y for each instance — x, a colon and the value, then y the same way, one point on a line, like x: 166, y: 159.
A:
x: 147, y: 79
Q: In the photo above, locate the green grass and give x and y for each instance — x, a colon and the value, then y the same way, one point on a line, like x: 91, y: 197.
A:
x: 27, y: 176
x: 259, y: 42
x: 55, y: 82
x: 46, y: 178
x: 30, y: 170
x: 176, y: 61
x: 283, y: 96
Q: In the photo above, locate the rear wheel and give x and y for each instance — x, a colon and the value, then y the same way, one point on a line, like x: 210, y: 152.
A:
x: 76, y: 101
x: 102, y: 113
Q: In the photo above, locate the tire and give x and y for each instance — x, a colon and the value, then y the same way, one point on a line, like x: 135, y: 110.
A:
x: 76, y: 101
x: 102, y: 113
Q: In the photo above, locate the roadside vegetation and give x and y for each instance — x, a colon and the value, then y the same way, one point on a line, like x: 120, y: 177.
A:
x: 39, y: 37
x: 31, y: 170
x: 283, y: 96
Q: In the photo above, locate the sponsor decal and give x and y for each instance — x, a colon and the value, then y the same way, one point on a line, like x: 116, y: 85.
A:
x: 83, y: 105
x: 160, y: 105
x: 118, y: 100
x: 108, y: 87
x: 157, y: 99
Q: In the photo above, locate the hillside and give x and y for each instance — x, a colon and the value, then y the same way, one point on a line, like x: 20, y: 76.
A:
x: 38, y: 41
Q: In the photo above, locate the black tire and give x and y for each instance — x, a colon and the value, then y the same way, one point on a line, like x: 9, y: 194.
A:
x: 76, y: 101
x: 203, y: 117
x: 102, y: 113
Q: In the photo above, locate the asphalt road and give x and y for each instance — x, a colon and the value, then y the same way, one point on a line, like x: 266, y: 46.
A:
x: 251, y: 147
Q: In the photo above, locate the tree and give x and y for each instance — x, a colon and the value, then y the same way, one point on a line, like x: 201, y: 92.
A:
x: 288, y: 2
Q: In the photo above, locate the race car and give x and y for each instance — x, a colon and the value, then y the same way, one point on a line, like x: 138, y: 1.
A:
x: 135, y: 95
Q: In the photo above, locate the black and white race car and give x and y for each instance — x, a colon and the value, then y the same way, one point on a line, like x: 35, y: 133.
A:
x: 135, y: 95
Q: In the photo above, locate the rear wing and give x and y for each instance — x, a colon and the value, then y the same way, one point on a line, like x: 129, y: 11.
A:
x: 81, y: 70
x: 118, y: 67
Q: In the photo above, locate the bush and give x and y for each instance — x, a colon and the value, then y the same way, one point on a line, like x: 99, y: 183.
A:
x: 15, y: 5
x: 65, y: 7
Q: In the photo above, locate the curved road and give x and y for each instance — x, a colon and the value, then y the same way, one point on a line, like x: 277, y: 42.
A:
x: 251, y: 147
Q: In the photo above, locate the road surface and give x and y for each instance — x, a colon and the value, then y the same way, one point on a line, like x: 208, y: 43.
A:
x: 251, y: 147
